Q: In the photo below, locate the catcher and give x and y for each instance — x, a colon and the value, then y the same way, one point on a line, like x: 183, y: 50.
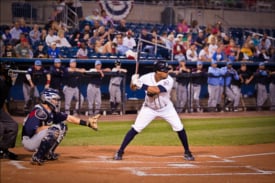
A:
x: 45, y: 127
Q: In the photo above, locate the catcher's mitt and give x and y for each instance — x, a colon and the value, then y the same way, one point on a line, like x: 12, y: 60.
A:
x: 92, y: 122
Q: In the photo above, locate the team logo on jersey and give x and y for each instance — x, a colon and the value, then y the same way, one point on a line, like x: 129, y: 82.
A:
x: 117, y: 10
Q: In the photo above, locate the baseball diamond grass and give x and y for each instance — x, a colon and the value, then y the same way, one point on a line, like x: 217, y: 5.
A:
x: 201, y: 132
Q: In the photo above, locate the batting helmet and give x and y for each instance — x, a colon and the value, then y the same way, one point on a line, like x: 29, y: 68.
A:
x: 52, y: 98
x: 161, y: 66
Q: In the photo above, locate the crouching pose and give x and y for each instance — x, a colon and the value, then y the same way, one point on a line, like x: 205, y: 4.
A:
x: 45, y: 127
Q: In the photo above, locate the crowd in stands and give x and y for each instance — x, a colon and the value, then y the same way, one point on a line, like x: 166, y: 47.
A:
x: 98, y: 36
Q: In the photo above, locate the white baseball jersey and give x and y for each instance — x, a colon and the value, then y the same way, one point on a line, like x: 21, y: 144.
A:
x: 157, y: 106
x: 161, y: 100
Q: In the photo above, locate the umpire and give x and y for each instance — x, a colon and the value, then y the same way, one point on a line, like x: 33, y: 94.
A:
x: 8, y: 127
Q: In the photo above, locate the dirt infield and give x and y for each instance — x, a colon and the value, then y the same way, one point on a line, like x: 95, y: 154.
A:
x: 255, y: 163
x: 150, y: 164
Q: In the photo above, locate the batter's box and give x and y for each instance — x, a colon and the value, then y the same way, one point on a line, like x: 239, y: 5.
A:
x: 195, y: 170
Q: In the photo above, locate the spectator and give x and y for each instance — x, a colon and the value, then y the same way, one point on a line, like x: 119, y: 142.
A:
x: 263, y: 56
x: 36, y: 75
x: 94, y: 17
x: 212, y: 47
x: 122, y: 26
x: 9, y: 51
x: 106, y: 20
x: 103, y: 48
x: 191, y: 53
x: 255, y: 39
x: 75, y: 39
x: 129, y: 41
x: 62, y: 40
x: 182, y: 27
x: 169, y: 41
x: 213, y: 37
x: 272, y: 54
x: 40, y: 52
x: 51, y: 37
x: 53, y: 51
x: 194, y: 27
x: 246, y: 52
x: 178, y: 49
x: 6, y: 36
x: 266, y: 41
x: 58, y: 11
x: 15, y: 33
x: 35, y: 34
x: 200, y: 41
x: 87, y: 33
x: 219, y: 54
x: 82, y: 52
x: 77, y: 8
x: 43, y: 35
x: 2, y: 47
x: 23, y: 27
x: 22, y: 49
x: 204, y: 54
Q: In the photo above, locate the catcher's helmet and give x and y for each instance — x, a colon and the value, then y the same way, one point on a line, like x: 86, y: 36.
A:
x: 52, y: 98
x: 161, y: 66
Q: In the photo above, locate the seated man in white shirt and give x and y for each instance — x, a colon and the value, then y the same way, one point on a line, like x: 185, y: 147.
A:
x: 191, y: 53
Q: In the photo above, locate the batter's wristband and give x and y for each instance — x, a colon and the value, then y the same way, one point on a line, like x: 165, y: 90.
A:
x: 144, y: 87
x: 83, y: 123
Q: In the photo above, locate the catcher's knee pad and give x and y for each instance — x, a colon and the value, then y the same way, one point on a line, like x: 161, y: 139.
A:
x: 58, y: 131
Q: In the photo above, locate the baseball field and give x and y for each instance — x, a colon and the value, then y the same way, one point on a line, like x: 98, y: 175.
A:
x: 228, y: 147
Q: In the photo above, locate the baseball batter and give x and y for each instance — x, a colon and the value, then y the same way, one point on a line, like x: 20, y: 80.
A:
x: 44, y: 127
x: 114, y: 87
x: 157, y: 86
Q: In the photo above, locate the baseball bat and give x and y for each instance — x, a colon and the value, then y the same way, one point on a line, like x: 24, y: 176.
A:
x: 138, y: 54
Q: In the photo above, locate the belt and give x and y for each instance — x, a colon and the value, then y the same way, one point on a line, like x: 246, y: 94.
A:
x: 155, y: 108
x: 96, y: 86
x: 115, y: 84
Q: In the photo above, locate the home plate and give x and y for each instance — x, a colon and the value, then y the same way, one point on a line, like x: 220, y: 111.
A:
x: 183, y: 165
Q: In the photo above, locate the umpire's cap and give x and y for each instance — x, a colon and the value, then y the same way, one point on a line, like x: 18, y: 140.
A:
x: 161, y: 66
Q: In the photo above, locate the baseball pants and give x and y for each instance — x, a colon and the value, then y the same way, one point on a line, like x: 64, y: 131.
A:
x: 195, y: 95
x: 272, y: 95
x: 115, y: 93
x: 69, y: 94
x: 147, y: 114
x: 181, y: 97
x: 27, y: 92
x: 237, y: 93
x: 8, y: 131
x: 214, y: 93
x: 94, y: 98
x: 261, y: 94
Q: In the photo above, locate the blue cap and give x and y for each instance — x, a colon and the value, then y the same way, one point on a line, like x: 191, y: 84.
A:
x: 229, y: 63
x: 38, y: 63
x: 199, y: 63
x: 57, y: 60
x: 98, y: 62
x: 261, y: 64
x: 214, y: 62
x: 72, y: 60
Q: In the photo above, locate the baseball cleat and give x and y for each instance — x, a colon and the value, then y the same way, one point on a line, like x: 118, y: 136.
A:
x: 188, y: 156
x: 36, y: 161
x: 118, y: 156
x: 52, y: 156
